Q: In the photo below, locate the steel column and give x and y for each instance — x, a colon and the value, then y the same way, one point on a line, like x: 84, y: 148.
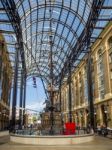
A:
x: 61, y: 111
x: 70, y: 97
x: 60, y: 101
x: 14, y: 101
x: 51, y: 89
x: 82, y: 39
x: 24, y: 98
x: 51, y: 75
x: 90, y: 92
x: 21, y: 101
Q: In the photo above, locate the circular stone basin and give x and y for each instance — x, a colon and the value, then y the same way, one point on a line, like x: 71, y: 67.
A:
x: 51, y: 140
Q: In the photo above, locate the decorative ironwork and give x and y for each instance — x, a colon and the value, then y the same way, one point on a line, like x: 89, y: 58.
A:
x: 56, y: 31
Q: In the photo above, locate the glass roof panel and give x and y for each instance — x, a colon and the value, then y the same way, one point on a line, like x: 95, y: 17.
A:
x: 105, y: 14
x: 61, y: 21
x: 66, y: 21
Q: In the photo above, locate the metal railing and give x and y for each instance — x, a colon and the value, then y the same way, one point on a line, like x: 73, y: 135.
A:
x: 56, y: 131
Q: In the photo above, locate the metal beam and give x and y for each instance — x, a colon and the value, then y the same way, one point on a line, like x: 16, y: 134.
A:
x: 82, y: 40
x: 103, y: 19
x: 104, y: 7
x: 99, y: 38
x: 13, y: 44
x: 7, y: 32
x: 15, y: 20
x: 99, y: 28
x: 4, y: 21
x: 2, y: 9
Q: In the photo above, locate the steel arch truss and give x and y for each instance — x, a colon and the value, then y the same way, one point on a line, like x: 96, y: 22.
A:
x: 70, y: 24
x: 68, y: 20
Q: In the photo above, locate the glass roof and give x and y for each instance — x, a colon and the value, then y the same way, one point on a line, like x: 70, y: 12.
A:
x: 64, y: 20
x: 47, y: 24
x: 7, y: 30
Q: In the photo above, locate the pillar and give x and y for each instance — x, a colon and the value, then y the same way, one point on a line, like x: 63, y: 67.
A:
x: 90, y: 92
x: 70, y: 96
x: 24, y: 97
x: 21, y: 101
x: 14, y: 100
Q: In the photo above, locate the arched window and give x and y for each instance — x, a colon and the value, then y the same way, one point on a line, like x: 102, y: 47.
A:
x: 73, y: 94
x: 80, y: 87
x: 85, y: 84
x: 100, y: 74
x: 99, y: 53
x: 100, y: 61
x: 110, y: 49
x: 110, y: 42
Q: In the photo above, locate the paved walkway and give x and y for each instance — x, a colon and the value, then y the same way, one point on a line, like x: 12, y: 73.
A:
x: 4, y: 139
x: 100, y: 143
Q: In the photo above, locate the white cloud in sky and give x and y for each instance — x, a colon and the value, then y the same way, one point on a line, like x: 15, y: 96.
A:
x: 38, y: 106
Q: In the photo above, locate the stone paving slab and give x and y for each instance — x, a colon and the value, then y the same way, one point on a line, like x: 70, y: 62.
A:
x: 4, y: 139
x: 88, y: 147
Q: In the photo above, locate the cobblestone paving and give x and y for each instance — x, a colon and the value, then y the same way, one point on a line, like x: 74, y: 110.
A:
x: 100, y: 143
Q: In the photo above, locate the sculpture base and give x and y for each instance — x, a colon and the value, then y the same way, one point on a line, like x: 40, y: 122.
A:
x: 52, y: 140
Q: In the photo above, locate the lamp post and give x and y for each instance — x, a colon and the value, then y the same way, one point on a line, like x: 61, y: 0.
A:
x: 106, y: 115
x: 51, y: 87
x: 70, y: 96
x: 95, y: 117
x: 51, y: 92
x: 3, y: 112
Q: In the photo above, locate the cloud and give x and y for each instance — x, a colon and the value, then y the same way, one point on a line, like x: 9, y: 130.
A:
x: 38, y: 106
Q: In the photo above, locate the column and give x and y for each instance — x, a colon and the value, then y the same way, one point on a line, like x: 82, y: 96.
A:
x: 70, y: 96
x: 24, y: 97
x: 106, y: 74
x: 21, y: 101
x: 15, y: 84
x: 90, y: 92
x: 60, y: 101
